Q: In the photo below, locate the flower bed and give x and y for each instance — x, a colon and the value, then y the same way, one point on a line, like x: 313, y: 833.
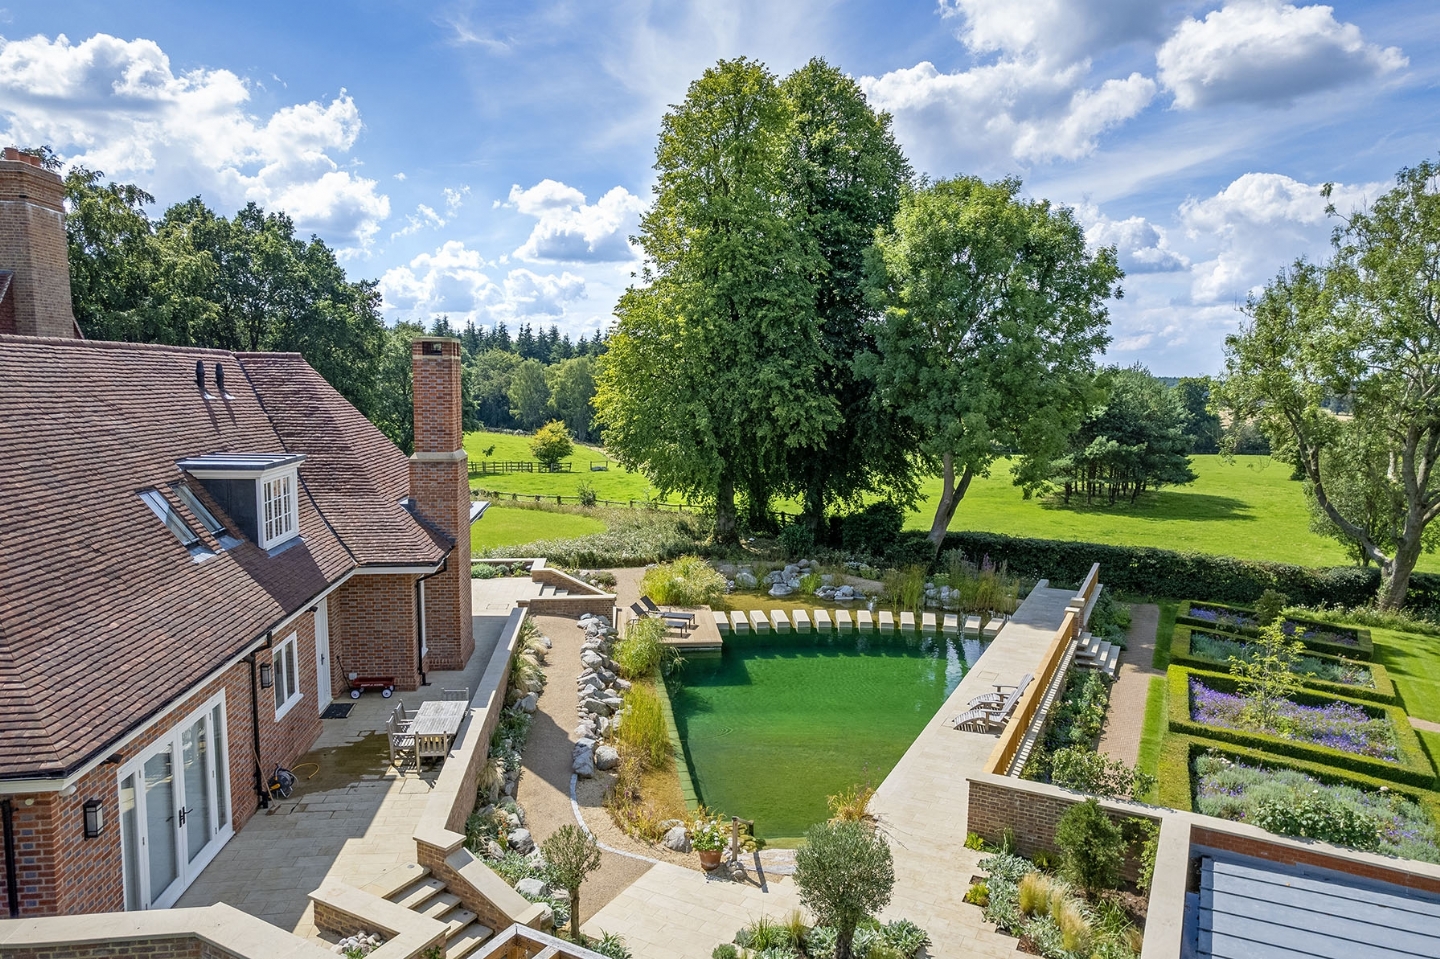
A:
x: 1290, y: 802
x: 1061, y: 925
x: 1410, y: 764
x: 1321, y: 637
x: 1343, y: 676
x: 1337, y: 725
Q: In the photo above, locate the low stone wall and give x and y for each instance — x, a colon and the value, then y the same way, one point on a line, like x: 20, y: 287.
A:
x: 208, y: 932
x: 1032, y: 810
x: 518, y: 942
x: 186, y: 948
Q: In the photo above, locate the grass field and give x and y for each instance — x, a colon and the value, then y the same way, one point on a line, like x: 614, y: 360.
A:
x: 509, y: 526
x: 1247, y: 507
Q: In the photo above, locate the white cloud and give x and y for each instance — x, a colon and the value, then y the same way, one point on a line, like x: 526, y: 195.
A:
x: 117, y: 106
x: 1257, y: 224
x: 454, y: 199
x: 571, y: 230
x: 456, y: 281
x: 1064, y: 29
x: 423, y: 217
x: 1265, y: 51
x: 1142, y: 246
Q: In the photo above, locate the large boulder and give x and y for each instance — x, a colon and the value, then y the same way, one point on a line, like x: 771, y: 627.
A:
x: 781, y: 589
x: 676, y: 838
x: 529, y: 703
x: 745, y: 579
x: 606, y: 757
x: 592, y: 658
x: 599, y: 707
x: 583, y: 761
x: 520, y: 841
x: 493, y: 850
x: 532, y: 887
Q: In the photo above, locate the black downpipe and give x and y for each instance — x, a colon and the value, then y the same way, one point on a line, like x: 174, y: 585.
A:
x: 260, y: 789
x: 420, y: 621
x: 12, y: 874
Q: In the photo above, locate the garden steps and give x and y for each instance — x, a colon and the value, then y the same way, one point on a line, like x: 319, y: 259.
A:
x: 1095, y: 653
x: 412, y: 886
x: 548, y: 590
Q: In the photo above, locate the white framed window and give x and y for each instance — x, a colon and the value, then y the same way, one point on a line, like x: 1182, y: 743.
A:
x: 278, y: 514
x: 287, y: 677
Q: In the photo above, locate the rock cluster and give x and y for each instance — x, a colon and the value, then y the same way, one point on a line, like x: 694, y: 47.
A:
x: 361, y: 943
x: 598, y: 692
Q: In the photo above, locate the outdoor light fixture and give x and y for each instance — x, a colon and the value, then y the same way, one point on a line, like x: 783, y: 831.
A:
x: 94, y: 818
x: 267, y: 675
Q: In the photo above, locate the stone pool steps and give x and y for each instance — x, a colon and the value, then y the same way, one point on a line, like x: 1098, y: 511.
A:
x: 844, y: 621
x: 1093, y: 653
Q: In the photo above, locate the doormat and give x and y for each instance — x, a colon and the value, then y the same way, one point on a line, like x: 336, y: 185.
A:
x: 337, y: 711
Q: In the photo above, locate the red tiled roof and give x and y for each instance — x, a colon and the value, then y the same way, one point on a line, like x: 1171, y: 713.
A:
x: 104, y: 616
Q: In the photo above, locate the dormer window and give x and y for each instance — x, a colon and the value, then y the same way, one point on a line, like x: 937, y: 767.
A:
x: 277, y: 507
x: 188, y: 538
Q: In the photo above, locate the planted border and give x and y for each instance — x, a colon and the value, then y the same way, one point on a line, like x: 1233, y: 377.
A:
x: 1363, y: 649
x: 1413, y: 768
x: 1384, y: 691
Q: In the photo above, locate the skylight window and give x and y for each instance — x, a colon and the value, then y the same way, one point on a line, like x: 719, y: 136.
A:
x: 207, y: 519
x: 188, y: 538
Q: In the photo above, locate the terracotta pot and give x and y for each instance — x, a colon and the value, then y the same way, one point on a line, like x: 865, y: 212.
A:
x: 710, y: 859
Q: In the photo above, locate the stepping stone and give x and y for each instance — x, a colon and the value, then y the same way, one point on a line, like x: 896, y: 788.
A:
x: 722, y: 623
x: 842, y: 620
x: 802, y: 621
x: 887, y: 621
x: 952, y: 623
x: 972, y: 625
x: 927, y: 623
x: 738, y: 622
x: 907, y: 622
x: 822, y: 621
x: 992, y: 628
x: 758, y: 622
x: 864, y: 620
x: 779, y: 621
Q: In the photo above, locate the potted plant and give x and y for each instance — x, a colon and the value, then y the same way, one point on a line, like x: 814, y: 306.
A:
x: 707, y: 837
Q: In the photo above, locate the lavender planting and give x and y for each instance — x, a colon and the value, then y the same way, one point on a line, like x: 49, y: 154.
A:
x: 1234, y: 619
x: 1219, y: 649
x: 1339, y: 726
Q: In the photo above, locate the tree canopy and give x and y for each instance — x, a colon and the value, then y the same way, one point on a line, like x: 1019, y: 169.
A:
x: 994, y: 309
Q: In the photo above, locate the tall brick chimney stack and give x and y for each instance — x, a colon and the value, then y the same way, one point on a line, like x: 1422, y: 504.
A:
x: 440, y: 488
x: 35, y: 296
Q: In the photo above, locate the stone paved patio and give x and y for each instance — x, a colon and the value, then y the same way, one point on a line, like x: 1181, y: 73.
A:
x: 355, y: 817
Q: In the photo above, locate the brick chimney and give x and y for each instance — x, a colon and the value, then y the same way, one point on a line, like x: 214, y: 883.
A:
x: 440, y: 489
x: 36, y: 292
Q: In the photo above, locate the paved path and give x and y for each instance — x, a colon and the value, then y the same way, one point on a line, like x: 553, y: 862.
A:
x: 1125, y: 717
x: 352, y: 817
x: 1424, y: 724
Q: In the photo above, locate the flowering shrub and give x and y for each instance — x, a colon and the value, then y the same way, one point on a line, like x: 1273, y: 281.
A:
x: 709, y: 835
x: 1239, y: 619
x: 1336, y: 725
x: 1244, y: 793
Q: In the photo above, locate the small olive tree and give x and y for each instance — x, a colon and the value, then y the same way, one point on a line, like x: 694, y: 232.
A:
x: 844, y: 873
x: 571, y: 854
x: 551, y: 444
x: 1267, y: 676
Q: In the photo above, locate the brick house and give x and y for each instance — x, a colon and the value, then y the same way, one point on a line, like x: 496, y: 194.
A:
x: 196, y: 548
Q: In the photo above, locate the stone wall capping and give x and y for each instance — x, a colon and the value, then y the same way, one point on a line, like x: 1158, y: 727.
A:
x: 226, y: 928
x: 407, y: 932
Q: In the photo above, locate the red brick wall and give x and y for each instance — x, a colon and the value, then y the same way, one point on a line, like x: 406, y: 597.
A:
x: 1289, y: 855
x: 436, y: 388
x: 187, y: 947
x: 32, y: 244
x: 372, y: 628
x: 62, y: 872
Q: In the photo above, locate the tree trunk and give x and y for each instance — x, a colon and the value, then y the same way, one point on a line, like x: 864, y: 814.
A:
x: 814, y: 509
x: 951, y: 494
x: 575, y: 915
x: 725, y: 534
x: 1395, y: 575
x: 843, y: 938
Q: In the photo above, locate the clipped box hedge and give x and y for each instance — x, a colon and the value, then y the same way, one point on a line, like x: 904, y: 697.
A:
x: 1177, y: 775
x: 1161, y: 572
x: 1364, y: 647
x: 1413, y: 768
x: 1384, y: 691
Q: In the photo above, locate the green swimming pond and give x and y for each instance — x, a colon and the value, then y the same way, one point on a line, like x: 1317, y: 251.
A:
x: 772, y: 726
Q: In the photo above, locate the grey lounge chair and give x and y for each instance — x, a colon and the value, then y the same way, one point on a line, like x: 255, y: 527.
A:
x: 997, y: 699
x: 988, y: 720
x: 649, y: 604
x: 670, y: 619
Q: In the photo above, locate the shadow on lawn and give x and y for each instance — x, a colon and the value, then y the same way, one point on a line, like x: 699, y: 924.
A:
x: 1161, y: 507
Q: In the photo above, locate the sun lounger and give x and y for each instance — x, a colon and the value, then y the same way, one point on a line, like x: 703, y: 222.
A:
x: 671, y: 619
x: 654, y: 610
x: 997, y: 699
x: 982, y: 720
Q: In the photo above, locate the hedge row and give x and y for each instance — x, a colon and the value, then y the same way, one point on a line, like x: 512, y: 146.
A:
x: 1177, y: 777
x: 1162, y: 572
x: 1414, y: 766
x: 1384, y: 691
x: 1364, y: 647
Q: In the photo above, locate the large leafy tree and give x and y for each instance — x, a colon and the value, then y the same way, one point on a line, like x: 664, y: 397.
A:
x: 572, y: 387
x: 529, y: 394
x: 1365, y: 328
x: 1132, y: 442
x: 1201, y: 420
x: 994, y: 309
x: 845, y: 174
x: 710, y: 377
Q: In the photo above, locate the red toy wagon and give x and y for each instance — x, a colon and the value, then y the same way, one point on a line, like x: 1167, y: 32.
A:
x: 359, y: 684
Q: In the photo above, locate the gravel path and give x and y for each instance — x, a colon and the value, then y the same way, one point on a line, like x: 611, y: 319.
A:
x: 1125, y: 719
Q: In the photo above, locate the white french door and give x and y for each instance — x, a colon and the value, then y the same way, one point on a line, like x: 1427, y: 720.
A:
x: 175, y: 808
x: 322, y: 653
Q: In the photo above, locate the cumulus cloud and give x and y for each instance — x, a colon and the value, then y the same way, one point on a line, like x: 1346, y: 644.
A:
x: 1063, y: 29
x: 1142, y: 246
x: 571, y: 230
x: 1257, y: 224
x: 425, y: 216
x: 1265, y: 51
x: 456, y: 281
x: 116, y: 105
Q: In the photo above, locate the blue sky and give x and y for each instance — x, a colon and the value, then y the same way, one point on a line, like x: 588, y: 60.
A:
x: 489, y: 160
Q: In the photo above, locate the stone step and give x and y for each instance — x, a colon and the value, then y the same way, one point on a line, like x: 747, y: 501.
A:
x: 417, y: 895
x: 457, y: 919
x: 394, y: 880
x: 1112, y: 661
x: 437, y: 906
x: 561, y: 592
x: 467, y: 940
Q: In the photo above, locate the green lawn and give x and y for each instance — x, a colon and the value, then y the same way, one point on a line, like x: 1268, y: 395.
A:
x: 614, y: 483
x: 1153, y: 732
x: 508, y: 526
x: 1413, y: 662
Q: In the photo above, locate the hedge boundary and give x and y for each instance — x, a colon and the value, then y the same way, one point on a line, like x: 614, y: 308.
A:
x: 1364, y: 648
x: 1413, y: 768
x: 1149, y: 571
x: 1177, y: 775
x: 1384, y: 691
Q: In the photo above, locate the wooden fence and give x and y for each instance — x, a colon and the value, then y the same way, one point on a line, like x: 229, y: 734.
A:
x: 498, y: 496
